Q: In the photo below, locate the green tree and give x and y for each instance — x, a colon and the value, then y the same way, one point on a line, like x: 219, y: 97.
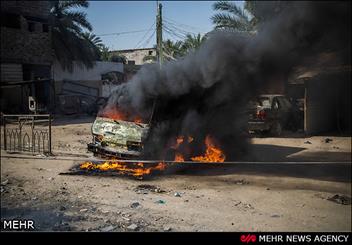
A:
x: 234, y: 17
x: 116, y: 57
x: 69, y: 42
x: 95, y: 43
x: 192, y: 42
x: 104, y: 53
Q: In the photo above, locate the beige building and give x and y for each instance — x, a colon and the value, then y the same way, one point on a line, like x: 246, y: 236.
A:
x: 136, y: 56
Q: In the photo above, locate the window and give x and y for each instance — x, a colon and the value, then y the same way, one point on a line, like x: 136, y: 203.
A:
x: 31, y: 26
x: 10, y: 20
x: 45, y: 28
x: 150, y: 52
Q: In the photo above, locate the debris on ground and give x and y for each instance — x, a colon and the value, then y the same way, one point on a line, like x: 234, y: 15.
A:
x: 177, y: 194
x: 241, y: 182
x: 107, y: 228
x: 5, y: 182
x: 145, y: 189
x: 125, y: 218
x: 167, y: 228
x: 51, y: 178
x: 340, y: 199
x: 135, y: 205
x: 132, y: 227
x: 238, y: 203
x: 160, y: 201
x: 83, y: 210
x: 275, y: 216
x: 308, y: 142
x: 327, y: 140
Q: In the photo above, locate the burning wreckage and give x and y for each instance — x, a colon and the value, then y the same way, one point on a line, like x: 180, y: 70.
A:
x: 118, y: 139
x: 200, y: 97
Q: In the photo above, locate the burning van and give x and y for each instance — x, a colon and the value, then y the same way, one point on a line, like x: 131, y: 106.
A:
x: 118, y: 138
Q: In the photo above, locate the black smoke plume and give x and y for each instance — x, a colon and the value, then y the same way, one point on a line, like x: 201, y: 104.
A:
x: 207, y: 91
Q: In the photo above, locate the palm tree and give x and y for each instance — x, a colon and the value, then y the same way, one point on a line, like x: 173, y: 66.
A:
x: 95, y: 43
x: 68, y: 41
x: 104, y: 53
x: 233, y: 17
x: 192, y: 42
x: 171, y: 51
x: 116, y: 57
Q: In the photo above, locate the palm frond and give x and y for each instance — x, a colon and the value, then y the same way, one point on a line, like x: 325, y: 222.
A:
x: 79, y: 18
x: 73, y: 4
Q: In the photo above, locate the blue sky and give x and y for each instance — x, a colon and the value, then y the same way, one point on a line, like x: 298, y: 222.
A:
x: 125, y: 16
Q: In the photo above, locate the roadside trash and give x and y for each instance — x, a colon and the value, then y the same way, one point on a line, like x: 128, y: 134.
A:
x: 83, y: 210
x: 160, y: 201
x: 5, y: 182
x: 134, y: 205
x: 34, y: 198
x: 132, y: 227
x: 51, y: 178
x: 327, y: 140
x: 248, y: 206
x: 307, y: 142
x: 340, y: 199
x: 107, y: 228
x: 166, y: 228
x: 241, y: 182
x: 145, y: 189
x: 177, y: 194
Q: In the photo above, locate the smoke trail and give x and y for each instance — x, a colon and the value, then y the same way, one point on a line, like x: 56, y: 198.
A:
x: 206, y: 92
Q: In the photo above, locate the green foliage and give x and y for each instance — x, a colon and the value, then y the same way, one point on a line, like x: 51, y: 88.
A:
x: 233, y: 17
x: 71, y: 40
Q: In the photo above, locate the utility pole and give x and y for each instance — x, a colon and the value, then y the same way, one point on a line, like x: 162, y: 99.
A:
x: 159, y: 36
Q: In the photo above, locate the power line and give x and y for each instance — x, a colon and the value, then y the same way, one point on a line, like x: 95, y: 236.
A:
x: 148, y: 40
x: 121, y: 33
x: 140, y: 41
x: 173, y: 33
x: 180, y: 24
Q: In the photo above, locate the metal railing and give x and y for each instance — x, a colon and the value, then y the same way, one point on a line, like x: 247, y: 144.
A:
x: 27, y: 133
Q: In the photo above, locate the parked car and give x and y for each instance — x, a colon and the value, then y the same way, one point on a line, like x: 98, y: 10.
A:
x: 271, y: 113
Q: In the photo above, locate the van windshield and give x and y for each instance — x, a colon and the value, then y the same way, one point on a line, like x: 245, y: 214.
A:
x: 264, y: 102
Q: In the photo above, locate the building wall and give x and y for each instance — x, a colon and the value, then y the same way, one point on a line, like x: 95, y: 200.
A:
x: 328, y: 104
x: 32, y: 8
x: 22, y: 44
x: 83, y: 74
x: 23, y: 47
x: 137, y: 55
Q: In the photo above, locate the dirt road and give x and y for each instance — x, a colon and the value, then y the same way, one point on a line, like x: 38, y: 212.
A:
x: 199, y: 200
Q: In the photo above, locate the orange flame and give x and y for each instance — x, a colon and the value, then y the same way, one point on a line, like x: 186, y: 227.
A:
x: 123, y: 167
x: 117, y: 114
x: 212, y: 153
x: 179, y: 157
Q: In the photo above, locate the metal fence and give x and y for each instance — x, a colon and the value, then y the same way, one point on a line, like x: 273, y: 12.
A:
x: 27, y: 133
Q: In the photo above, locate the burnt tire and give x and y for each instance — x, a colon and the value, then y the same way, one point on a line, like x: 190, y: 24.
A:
x: 276, y: 129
